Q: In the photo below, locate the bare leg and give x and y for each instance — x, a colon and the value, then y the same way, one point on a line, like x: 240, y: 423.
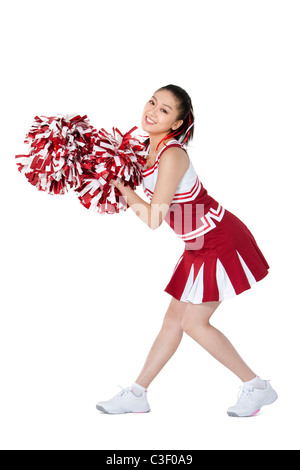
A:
x: 196, y: 323
x: 165, y: 344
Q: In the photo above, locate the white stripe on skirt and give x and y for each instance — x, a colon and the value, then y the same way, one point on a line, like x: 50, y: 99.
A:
x: 194, y: 289
x: 226, y: 289
x: 188, y: 285
x: 248, y: 273
x: 197, y: 291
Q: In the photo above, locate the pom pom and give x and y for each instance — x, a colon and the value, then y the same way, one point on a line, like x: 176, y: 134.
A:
x: 66, y: 152
x: 57, y: 146
x: 113, y: 156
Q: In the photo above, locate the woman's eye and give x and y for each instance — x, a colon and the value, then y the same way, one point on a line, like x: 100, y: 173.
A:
x: 164, y: 111
x: 151, y: 102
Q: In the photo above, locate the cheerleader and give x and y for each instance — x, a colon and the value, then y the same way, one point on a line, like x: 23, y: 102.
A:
x: 221, y: 258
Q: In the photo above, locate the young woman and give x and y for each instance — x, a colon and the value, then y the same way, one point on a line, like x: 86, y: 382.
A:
x: 221, y: 257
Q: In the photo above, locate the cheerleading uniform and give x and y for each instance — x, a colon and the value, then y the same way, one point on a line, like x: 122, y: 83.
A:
x: 221, y: 257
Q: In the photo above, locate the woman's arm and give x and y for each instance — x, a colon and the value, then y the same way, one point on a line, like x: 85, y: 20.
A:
x: 172, y: 167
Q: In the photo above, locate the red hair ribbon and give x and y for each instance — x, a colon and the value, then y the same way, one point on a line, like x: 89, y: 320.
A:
x: 174, y: 133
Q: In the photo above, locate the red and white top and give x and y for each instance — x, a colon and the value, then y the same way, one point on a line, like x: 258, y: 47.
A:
x: 193, y: 213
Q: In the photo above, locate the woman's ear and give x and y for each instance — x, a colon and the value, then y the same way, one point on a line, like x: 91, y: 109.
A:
x: 177, y: 125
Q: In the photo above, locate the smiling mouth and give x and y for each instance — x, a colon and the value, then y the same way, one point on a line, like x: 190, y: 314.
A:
x: 149, y: 121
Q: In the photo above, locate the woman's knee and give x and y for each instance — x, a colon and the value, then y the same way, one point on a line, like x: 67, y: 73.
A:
x: 190, y: 321
x: 174, y: 315
x: 197, y: 316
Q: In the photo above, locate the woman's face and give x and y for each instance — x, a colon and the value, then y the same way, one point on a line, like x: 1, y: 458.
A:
x: 160, y: 115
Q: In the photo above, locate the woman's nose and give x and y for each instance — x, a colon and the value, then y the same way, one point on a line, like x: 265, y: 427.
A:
x: 153, y: 112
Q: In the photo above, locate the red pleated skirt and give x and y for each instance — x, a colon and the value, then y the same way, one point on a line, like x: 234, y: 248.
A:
x: 229, y: 263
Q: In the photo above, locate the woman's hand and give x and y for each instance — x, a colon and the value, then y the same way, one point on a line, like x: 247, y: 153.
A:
x: 118, y: 184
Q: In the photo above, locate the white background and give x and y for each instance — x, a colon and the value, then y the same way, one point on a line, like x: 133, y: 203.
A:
x: 82, y: 295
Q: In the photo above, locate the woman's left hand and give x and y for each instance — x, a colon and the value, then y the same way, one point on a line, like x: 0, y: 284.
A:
x: 119, y: 185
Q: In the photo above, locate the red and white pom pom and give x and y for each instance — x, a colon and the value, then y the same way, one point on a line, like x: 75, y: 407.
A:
x: 57, y: 146
x: 113, y: 156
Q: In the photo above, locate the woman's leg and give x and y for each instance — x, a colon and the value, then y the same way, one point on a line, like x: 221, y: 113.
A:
x: 196, y: 323
x: 165, y: 344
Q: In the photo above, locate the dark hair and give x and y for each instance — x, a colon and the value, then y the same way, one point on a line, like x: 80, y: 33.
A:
x: 186, y: 113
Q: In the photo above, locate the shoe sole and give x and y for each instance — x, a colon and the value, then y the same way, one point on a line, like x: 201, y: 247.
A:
x: 266, y: 403
x: 103, y: 410
x: 234, y: 415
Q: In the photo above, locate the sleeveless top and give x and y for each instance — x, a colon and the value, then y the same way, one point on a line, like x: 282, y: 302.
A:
x: 192, y: 213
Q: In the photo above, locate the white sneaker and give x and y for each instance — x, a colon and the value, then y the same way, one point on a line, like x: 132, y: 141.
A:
x: 125, y: 402
x: 251, y: 400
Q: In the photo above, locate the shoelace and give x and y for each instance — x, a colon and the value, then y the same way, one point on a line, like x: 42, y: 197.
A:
x: 244, y: 394
x: 124, y: 390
